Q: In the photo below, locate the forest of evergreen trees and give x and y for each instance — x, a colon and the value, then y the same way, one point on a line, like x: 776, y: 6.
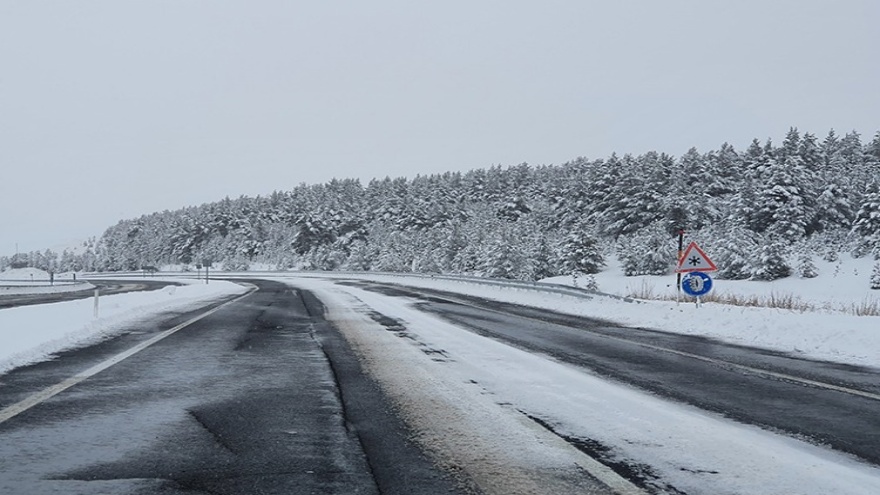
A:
x: 762, y: 213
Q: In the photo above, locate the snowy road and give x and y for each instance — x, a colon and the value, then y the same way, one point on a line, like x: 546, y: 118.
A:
x: 316, y: 386
x: 243, y: 400
x: 703, y: 417
x: 802, y: 397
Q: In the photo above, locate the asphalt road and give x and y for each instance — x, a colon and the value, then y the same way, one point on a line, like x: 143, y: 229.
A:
x: 107, y: 287
x: 829, y: 404
x: 262, y: 396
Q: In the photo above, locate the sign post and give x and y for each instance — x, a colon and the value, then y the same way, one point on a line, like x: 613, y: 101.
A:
x: 97, y: 296
x: 680, y: 247
x: 207, y: 264
x: 694, y: 259
x: 696, y: 284
x: 694, y: 262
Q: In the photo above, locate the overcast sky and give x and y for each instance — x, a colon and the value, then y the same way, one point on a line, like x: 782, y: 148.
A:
x: 113, y: 109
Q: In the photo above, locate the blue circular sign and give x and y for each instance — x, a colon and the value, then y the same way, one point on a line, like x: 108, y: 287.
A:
x: 696, y: 284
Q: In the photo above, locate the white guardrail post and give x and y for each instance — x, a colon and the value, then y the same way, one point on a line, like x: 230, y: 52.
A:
x: 97, y: 295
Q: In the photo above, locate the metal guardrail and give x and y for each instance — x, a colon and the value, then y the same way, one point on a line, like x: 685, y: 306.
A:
x: 503, y: 283
x: 37, y: 283
x: 43, y: 288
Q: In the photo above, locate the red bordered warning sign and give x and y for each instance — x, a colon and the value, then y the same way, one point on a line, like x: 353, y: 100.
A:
x: 695, y: 260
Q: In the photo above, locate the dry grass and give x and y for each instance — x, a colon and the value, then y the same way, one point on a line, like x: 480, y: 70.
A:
x: 774, y: 300
x: 867, y: 307
x: 791, y: 302
x: 644, y: 291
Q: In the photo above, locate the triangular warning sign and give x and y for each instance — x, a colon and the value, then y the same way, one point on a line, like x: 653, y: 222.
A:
x: 695, y: 260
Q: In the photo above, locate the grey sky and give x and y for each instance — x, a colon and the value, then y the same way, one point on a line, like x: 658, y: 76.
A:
x: 113, y: 109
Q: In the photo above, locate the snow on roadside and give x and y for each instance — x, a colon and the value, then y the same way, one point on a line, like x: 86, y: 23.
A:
x: 830, y: 336
x: 690, y: 449
x: 30, y: 334
x: 839, y: 284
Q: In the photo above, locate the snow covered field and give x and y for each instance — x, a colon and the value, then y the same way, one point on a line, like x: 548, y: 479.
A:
x: 33, y: 333
x: 22, y: 281
x: 838, y: 287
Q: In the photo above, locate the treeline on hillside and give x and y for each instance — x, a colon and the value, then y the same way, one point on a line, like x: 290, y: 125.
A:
x: 761, y: 213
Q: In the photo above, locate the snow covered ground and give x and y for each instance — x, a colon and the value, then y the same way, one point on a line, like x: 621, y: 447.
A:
x: 838, y: 286
x: 30, y: 334
x: 825, y: 333
x: 26, y: 275
x: 21, y: 281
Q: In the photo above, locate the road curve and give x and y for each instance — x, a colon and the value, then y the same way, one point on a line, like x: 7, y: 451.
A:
x: 261, y: 396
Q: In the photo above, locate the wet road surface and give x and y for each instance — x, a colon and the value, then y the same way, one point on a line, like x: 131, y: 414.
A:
x: 261, y: 396
x: 829, y: 404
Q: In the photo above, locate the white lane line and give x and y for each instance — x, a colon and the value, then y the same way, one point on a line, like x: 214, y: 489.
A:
x: 49, y: 392
x: 757, y: 371
x: 718, y: 362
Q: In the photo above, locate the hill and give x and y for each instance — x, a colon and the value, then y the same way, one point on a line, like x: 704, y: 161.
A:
x: 766, y: 212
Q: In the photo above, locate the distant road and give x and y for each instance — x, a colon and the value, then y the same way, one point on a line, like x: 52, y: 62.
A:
x: 107, y: 287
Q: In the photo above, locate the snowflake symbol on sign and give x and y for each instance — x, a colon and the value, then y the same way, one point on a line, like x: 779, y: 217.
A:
x: 694, y: 261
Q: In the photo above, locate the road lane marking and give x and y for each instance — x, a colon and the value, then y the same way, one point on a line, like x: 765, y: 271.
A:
x: 759, y: 371
x: 718, y: 362
x: 49, y: 392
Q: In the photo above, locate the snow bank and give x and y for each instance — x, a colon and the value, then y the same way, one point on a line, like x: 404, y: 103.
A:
x: 23, y: 275
x: 30, y: 334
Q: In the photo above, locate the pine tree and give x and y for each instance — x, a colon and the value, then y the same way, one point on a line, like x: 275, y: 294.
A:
x: 806, y: 268
x: 867, y: 223
x: 771, y: 262
x: 503, y: 260
x: 831, y: 255
x: 790, y: 145
x: 542, y: 258
x: 873, y: 149
x: 833, y: 209
x: 725, y: 168
x: 580, y: 253
x: 359, y: 258
x: 590, y: 283
x: 875, y: 277
x: 637, y: 197
x: 734, y: 258
x: 781, y: 209
x: 650, y: 252
x: 811, y: 158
